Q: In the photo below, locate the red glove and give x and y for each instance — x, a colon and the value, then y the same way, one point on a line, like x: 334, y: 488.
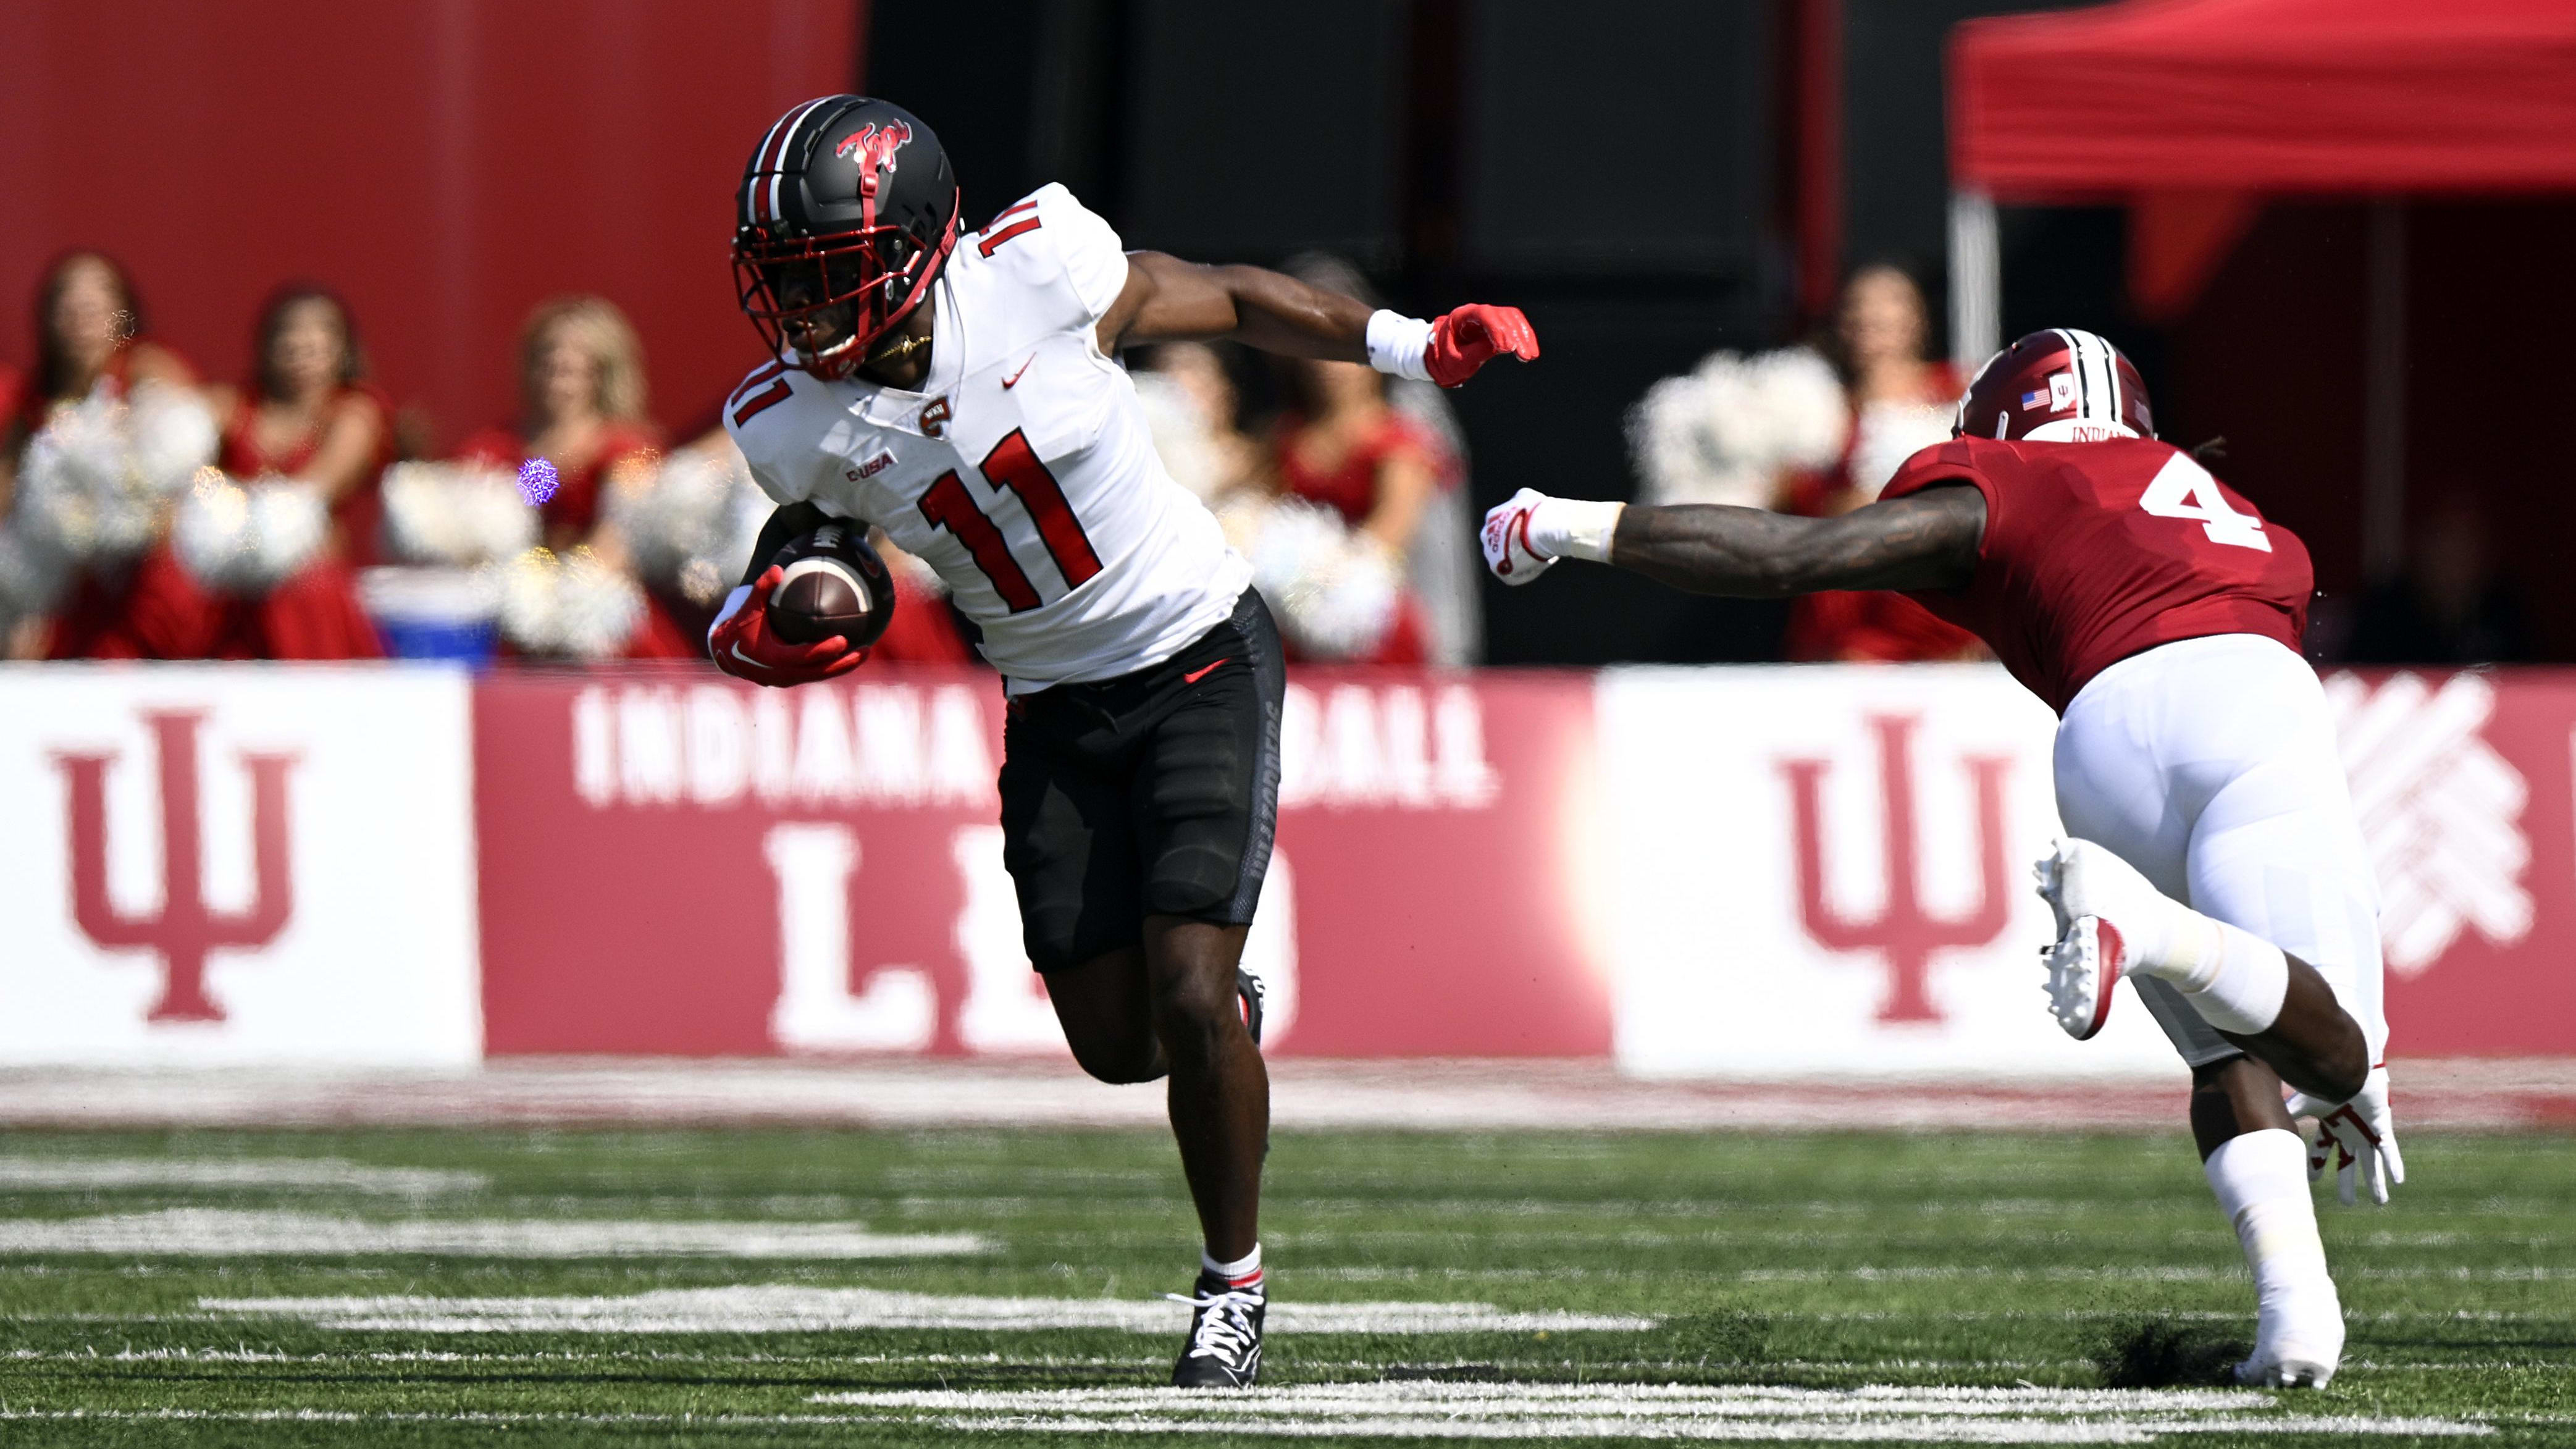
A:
x: 1474, y: 335
x: 744, y: 648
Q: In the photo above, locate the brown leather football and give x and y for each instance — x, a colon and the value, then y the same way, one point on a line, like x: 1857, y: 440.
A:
x: 832, y: 584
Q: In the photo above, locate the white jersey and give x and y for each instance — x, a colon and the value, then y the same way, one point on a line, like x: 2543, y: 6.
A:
x: 1022, y: 470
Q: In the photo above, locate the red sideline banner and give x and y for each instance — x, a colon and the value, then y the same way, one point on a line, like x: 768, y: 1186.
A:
x: 1748, y: 872
x: 1826, y: 871
x: 680, y: 864
x: 207, y: 865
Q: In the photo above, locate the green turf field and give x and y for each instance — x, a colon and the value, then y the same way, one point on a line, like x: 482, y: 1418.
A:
x: 636, y: 1287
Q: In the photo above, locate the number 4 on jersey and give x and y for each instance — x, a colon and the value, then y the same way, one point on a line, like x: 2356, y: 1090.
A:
x: 2184, y: 489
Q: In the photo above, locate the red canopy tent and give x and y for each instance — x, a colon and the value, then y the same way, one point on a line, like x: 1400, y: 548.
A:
x: 2371, y: 96
x: 2190, y: 111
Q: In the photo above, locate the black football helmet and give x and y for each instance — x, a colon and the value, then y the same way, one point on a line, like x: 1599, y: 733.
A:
x: 846, y: 213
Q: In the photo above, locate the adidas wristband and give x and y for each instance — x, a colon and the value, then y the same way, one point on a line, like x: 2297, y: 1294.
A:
x: 1396, y: 344
x: 1574, y: 528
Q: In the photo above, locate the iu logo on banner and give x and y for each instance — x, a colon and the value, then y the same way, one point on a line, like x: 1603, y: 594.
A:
x: 218, y: 865
x: 182, y: 931
x: 1904, y: 934
x: 1824, y: 872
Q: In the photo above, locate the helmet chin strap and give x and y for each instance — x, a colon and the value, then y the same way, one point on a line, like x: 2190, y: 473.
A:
x: 898, y: 348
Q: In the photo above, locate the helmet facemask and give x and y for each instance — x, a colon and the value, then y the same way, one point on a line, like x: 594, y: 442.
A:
x: 823, y: 303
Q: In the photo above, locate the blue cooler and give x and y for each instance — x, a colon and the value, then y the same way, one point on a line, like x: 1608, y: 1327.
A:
x: 433, y: 613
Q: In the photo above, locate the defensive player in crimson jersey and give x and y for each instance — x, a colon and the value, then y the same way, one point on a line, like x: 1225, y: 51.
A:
x: 2160, y: 616
x: 960, y: 391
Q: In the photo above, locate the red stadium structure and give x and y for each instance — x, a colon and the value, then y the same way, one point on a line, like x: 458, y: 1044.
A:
x: 2193, y: 113
x: 444, y: 168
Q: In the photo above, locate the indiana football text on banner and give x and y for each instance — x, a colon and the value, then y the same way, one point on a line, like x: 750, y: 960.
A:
x: 678, y: 863
x: 212, y: 865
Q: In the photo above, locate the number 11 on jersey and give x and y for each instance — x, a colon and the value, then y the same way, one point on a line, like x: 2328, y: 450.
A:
x: 1014, y: 465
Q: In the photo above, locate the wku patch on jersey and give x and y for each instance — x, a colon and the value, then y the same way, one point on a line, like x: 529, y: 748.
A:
x: 1022, y: 469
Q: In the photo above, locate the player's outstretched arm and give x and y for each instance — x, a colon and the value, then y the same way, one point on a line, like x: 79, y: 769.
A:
x: 1170, y: 300
x: 1925, y: 540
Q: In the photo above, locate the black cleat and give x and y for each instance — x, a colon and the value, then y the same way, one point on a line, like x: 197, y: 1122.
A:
x: 1224, y: 1351
x: 1248, y: 991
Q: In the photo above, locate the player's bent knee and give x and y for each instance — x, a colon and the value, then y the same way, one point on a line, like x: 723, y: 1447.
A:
x: 1121, y: 1062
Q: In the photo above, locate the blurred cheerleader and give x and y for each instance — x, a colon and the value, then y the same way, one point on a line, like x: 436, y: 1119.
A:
x: 1899, y: 403
x: 581, y: 377
x: 100, y: 438
x: 303, y: 449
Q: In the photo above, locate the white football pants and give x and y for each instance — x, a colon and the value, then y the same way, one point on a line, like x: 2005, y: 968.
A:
x: 2210, y: 765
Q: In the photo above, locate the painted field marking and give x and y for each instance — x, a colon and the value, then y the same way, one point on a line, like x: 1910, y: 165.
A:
x: 83, y: 1174
x: 784, y: 1308
x: 1430, y: 1411
x: 1667, y: 1411
x: 221, y: 1233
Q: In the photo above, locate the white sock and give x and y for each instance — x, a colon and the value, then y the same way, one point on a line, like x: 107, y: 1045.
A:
x: 1248, y: 1267
x: 2242, y: 990
x: 2261, y: 1179
x: 2235, y: 979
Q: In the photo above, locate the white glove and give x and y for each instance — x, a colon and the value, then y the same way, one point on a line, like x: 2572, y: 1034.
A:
x: 1525, y: 536
x: 2359, y: 1134
x: 1508, y: 551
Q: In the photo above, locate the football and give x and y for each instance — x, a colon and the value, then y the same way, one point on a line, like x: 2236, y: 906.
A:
x: 834, y: 584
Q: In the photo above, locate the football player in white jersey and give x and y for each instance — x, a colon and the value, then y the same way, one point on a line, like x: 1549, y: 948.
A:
x: 961, y: 392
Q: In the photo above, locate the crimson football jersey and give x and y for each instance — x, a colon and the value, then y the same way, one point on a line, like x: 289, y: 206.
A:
x: 2097, y: 551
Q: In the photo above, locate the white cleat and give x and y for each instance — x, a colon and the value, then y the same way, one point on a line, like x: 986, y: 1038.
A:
x: 2082, y: 968
x: 2079, y: 878
x: 2298, y: 1341
x: 2293, y: 1368
x: 2091, y: 890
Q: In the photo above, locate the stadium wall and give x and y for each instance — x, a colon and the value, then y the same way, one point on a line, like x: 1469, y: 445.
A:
x: 1772, y: 872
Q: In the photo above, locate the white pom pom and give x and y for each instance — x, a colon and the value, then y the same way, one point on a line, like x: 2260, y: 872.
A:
x: 1889, y: 433
x: 212, y: 532
x: 1805, y: 418
x: 248, y: 540
x: 289, y: 522
x: 691, y: 522
x: 171, y: 435
x: 1181, y: 436
x: 96, y: 479
x: 1727, y: 431
x: 570, y: 607
x: 597, y: 609
x: 452, y: 513
x: 1336, y: 591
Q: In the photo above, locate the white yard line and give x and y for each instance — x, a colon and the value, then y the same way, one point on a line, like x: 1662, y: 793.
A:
x: 1543, y: 1411
x: 214, y: 1233
x: 1504, y: 1412
x: 783, y: 1308
x: 20, y: 1173
x: 1495, y: 1096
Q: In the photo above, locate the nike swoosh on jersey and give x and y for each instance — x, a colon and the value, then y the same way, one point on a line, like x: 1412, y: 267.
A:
x: 1013, y: 380
x: 1195, y: 675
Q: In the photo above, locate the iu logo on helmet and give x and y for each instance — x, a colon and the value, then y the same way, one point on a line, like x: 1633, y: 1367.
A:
x: 186, y: 929
x: 873, y: 146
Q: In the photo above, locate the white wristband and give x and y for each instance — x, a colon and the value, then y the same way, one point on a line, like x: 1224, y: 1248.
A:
x: 733, y: 603
x: 1574, y: 528
x: 1396, y: 344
